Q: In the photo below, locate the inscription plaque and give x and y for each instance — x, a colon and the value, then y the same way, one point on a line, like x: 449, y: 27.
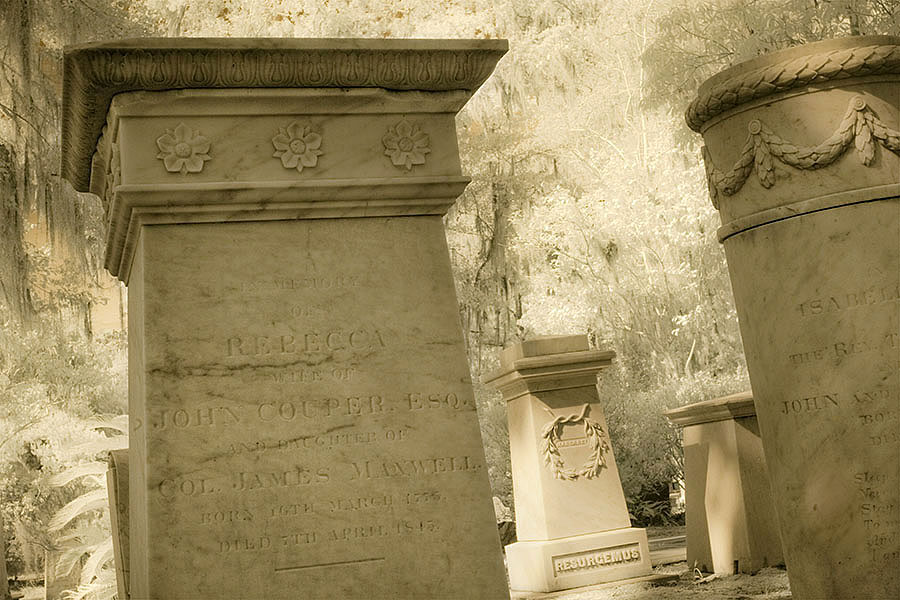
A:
x: 327, y: 482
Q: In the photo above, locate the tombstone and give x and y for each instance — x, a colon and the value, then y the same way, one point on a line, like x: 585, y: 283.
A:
x: 572, y: 524
x: 56, y: 581
x: 117, y: 488
x: 731, y: 526
x: 803, y: 163
x: 302, y: 415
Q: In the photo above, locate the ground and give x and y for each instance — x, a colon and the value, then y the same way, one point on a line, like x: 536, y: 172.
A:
x: 768, y: 584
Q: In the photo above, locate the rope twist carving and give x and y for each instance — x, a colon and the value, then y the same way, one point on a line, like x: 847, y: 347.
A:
x: 861, y: 61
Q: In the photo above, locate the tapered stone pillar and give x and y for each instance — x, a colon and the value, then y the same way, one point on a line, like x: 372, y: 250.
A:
x: 303, y: 424
x: 802, y: 151
x: 572, y: 524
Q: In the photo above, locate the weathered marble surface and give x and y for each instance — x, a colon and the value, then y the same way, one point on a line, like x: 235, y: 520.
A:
x: 558, y: 519
x: 814, y: 258
x: 95, y: 72
x: 117, y: 487
x: 302, y: 417
x: 731, y: 524
x: 307, y: 415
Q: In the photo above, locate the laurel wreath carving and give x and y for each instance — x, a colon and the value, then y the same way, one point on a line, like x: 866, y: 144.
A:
x: 859, y: 127
x: 550, y: 437
x: 860, y: 61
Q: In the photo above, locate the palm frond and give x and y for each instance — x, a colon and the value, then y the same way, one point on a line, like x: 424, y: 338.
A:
x: 90, y: 468
x: 92, y: 500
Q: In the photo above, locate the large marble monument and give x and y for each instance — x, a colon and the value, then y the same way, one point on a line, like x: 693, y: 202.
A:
x: 572, y: 524
x: 302, y: 418
x: 803, y: 162
x: 731, y: 526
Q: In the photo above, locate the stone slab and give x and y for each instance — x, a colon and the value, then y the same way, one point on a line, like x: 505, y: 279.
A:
x: 802, y: 163
x: 543, y: 345
x: 548, y: 565
x: 730, y: 513
x: 656, y: 579
x: 56, y: 583
x: 830, y: 384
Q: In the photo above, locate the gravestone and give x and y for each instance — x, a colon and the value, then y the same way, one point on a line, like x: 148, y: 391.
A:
x: 117, y: 489
x: 302, y: 417
x: 802, y: 153
x: 731, y: 525
x: 57, y: 582
x: 572, y: 524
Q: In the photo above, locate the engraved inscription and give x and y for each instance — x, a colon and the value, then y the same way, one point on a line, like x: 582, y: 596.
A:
x: 592, y: 560
x: 413, y: 467
x: 841, y: 349
x: 311, y: 342
x: 311, y: 282
x: 810, y: 404
x: 582, y: 441
x: 843, y: 301
x: 195, y: 417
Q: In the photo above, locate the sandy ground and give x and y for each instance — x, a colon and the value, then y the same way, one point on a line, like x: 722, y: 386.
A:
x: 768, y: 584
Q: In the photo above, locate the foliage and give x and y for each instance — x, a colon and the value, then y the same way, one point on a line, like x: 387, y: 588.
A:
x: 697, y: 39
x: 53, y: 386
x: 87, y: 516
x: 646, y: 445
x: 587, y: 211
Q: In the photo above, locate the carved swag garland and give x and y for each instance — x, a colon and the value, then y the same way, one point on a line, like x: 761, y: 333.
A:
x: 550, y: 438
x: 860, y: 126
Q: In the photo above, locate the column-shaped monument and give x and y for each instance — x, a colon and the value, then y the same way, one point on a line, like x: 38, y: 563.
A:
x: 572, y: 524
x: 303, y: 424
x: 802, y: 153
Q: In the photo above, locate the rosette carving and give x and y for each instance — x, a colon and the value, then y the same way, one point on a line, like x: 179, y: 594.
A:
x: 297, y: 146
x: 183, y: 150
x: 406, y: 144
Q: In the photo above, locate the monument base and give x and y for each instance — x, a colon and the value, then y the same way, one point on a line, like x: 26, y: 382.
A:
x: 547, y: 566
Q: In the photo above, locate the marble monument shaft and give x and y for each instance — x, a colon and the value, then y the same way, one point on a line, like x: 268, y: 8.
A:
x: 303, y: 423
x: 572, y: 524
x: 803, y: 162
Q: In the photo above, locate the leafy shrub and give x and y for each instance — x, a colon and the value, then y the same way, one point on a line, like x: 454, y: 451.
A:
x: 646, y: 445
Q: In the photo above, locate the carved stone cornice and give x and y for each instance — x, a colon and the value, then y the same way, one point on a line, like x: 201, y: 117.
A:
x: 548, y: 372
x: 735, y: 406
x: 94, y: 73
x: 794, y: 68
x: 231, y: 202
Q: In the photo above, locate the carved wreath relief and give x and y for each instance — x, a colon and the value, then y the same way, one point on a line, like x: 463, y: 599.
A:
x: 183, y: 150
x: 550, y: 439
x: 297, y: 146
x: 406, y: 144
x: 859, y: 127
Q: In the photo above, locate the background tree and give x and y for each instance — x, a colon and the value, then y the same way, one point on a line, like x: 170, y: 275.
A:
x: 587, y: 211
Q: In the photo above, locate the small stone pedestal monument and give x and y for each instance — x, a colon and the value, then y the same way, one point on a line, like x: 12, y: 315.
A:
x: 731, y: 525
x: 571, y: 520
x: 302, y: 419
